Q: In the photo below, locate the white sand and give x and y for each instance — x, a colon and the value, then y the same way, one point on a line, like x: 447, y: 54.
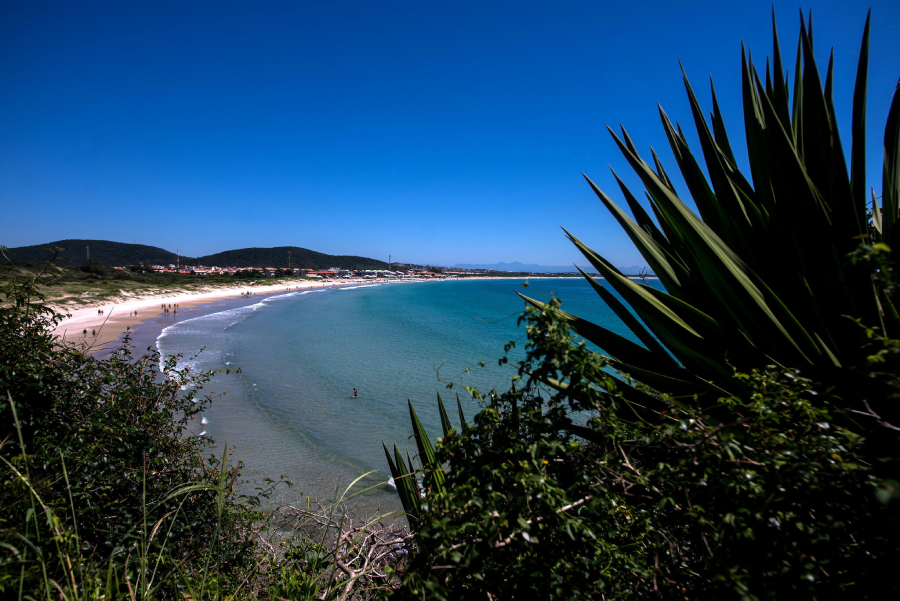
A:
x: 124, y: 313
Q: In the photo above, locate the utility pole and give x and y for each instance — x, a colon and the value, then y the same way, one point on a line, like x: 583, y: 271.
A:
x: 389, y: 262
x: 88, y: 248
x: 177, y: 258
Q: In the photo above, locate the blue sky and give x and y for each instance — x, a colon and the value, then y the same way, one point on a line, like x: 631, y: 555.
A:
x: 442, y: 134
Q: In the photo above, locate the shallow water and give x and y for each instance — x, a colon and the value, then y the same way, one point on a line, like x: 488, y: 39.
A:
x: 292, y: 411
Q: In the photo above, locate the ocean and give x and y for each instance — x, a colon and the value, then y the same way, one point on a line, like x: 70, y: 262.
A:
x: 291, y: 409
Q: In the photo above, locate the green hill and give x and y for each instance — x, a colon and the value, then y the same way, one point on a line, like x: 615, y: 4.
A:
x: 278, y: 257
x: 121, y: 253
x: 111, y: 253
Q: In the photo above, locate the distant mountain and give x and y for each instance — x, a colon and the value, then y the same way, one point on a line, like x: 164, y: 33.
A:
x: 278, y: 257
x: 122, y: 253
x: 522, y: 268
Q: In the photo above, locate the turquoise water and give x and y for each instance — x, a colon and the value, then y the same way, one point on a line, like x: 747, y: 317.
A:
x: 292, y: 411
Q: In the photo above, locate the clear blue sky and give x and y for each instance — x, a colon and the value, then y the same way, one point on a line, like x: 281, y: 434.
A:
x: 442, y: 134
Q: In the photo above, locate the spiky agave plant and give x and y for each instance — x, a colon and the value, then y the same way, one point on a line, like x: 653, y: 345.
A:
x: 405, y: 474
x: 761, y: 276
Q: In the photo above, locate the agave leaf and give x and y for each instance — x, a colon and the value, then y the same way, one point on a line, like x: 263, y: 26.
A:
x: 797, y: 112
x: 670, y: 319
x: 737, y: 178
x: 754, y: 126
x: 618, y: 347
x: 890, y: 182
x: 780, y: 96
x: 395, y: 473
x: 642, y: 302
x: 858, y: 149
x: 749, y: 302
x: 818, y: 128
x: 434, y: 473
x: 876, y: 216
x: 699, y: 188
x: 725, y: 193
x: 630, y: 321
x: 849, y: 214
x: 661, y: 171
x: 446, y: 426
x: 640, y: 215
x: 645, y: 243
x: 657, y: 370
x: 406, y: 483
x: 819, y: 257
x: 719, y: 127
x: 462, y: 418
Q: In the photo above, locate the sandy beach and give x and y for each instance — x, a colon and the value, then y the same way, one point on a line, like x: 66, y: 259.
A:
x: 95, y: 332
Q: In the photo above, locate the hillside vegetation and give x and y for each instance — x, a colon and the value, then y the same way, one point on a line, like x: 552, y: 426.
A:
x: 111, y: 253
x: 278, y: 257
x: 121, y: 253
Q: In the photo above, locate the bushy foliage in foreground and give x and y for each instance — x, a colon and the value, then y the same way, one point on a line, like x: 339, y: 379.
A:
x: 105, y: 494
x: 102, y: 445
x: 778, y: 497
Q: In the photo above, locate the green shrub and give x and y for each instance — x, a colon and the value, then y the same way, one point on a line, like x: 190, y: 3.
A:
x: 778, y: 498
x: 101, y: 445
x: 106, y: 494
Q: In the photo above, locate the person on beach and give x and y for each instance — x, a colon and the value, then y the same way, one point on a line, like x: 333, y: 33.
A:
x: 84, y: 332
x: 94, y: 332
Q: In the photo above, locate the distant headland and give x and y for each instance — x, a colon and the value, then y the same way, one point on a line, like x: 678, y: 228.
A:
x: 76, y: 251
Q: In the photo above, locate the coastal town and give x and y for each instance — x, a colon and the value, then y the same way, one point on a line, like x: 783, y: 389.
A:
x: 331, y: 273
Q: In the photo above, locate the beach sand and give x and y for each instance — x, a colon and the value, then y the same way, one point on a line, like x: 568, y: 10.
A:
x: 132, y: 315
x: 128, y: 315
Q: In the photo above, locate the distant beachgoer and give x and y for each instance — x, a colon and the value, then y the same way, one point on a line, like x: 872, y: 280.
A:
x: 98, y: 311
x: 355, y: 394
x: 84, y: 332
x: 94, y: 332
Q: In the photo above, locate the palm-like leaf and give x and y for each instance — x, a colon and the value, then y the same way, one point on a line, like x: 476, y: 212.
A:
x: 761, y: 275
x: 406, y: 478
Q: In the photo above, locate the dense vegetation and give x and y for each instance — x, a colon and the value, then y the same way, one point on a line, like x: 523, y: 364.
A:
x: 109, y: 492
x: 751, y: 447
x: 110, y: 253
x: 780, y: 498
x: 121, y: 254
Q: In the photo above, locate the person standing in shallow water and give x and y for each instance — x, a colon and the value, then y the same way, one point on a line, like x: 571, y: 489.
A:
x: 355, y: 393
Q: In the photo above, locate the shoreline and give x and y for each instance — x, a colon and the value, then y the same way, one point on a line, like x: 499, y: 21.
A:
x: 132, y: 316
x: 128, y: 315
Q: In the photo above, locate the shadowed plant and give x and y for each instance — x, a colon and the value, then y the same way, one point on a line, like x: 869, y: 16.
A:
x: 761, y: 276
x: 404, y: 473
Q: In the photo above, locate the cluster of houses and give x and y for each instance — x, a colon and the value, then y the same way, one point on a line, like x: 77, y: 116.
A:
x: 332, y: 273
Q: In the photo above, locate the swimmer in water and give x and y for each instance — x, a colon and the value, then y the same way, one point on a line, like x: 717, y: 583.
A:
x: 354, y: 393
